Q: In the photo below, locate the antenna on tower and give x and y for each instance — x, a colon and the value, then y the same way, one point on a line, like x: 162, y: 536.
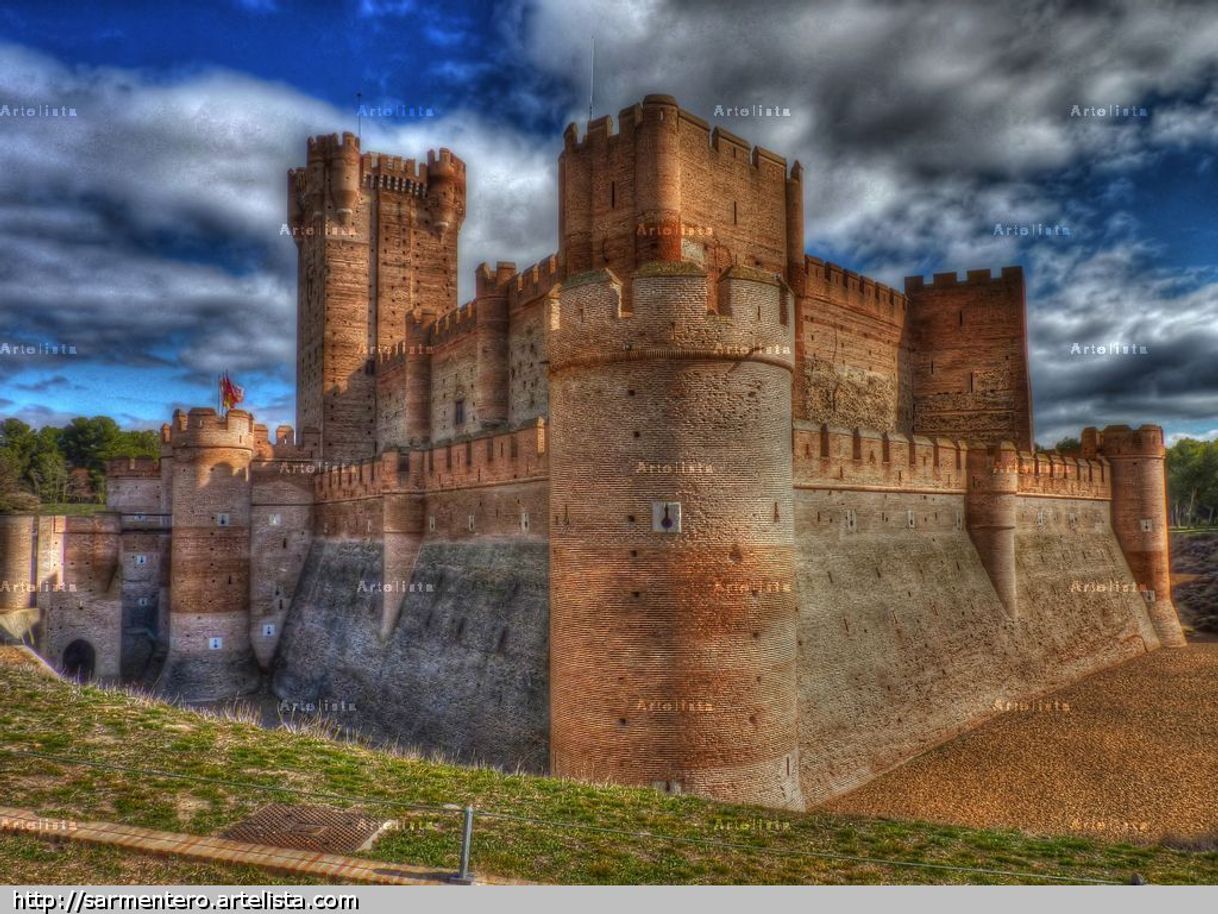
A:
x: 359, y: 117
x: 592, y: 78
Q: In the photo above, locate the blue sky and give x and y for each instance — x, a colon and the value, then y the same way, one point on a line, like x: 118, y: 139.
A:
x: 146, y: 230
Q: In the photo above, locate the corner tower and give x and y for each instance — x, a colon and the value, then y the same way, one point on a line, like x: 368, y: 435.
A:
x: 377, y: 243
x: 1139, y: 515
x: 210, y: 655
x: 672, y: 558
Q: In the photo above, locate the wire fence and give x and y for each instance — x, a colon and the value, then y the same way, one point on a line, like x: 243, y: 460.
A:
x: 470, y: 812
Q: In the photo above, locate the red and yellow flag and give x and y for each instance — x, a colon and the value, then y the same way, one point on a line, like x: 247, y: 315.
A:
x: 230, y: 394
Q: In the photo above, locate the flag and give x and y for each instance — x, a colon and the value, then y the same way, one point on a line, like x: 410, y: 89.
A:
x: 230, y: 394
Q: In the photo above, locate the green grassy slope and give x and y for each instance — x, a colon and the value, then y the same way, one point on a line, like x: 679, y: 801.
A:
x: 528, y: 828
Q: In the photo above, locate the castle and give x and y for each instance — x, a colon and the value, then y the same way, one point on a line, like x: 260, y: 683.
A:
x: 678, y: 506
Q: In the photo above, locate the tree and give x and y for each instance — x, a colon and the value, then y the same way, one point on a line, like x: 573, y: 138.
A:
x: 1192, y: 481
x: 1066, y: 445
x: 49, y: 475
x: 14, y: 497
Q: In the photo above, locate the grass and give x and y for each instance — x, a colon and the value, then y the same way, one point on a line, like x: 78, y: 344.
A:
x: 71, y: 509
x: 524, y: 827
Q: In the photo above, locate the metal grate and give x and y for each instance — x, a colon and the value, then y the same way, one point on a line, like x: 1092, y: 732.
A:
x: 314, y: 828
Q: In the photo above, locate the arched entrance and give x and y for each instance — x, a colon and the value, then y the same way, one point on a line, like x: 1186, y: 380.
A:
x: 78, y: 660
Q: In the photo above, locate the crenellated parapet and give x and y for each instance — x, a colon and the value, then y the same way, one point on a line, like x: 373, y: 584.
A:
x: 507, y: 457
x: 535, y: 281
x: 495, y: 459
x: 134, y: 468
x: 668, y: 313
x: 829, y: 281
x: 655, y: 189
x: 1051, y: 474
x: 829, y: 457
x: 202, y: 427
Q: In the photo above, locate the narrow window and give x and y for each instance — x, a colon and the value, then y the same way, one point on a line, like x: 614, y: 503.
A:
x: 459, y: 413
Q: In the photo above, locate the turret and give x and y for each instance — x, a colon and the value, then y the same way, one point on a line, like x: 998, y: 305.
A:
x: 990, y: 511
x: 658, y: 181
x: 377, y: 238
x: 210, y: 656
x: 672, y: 573
x: 17, y: 581
x: 445, y: 190
x: 1139, y: 516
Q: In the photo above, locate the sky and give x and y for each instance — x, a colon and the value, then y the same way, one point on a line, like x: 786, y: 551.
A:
x: 145, y: 235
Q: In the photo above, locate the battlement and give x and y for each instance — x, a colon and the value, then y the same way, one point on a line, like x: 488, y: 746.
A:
x: 1122, y: 441
x: 600, y: 133
x: 134, y: 468
x: 831, y: 457
x: 491, y: 282
x: 972, y: 278
x: 456, y: 323
x: 390, y: 358
x: 484, y: 460
x: 203, y: 427
x: 535, y: 281
x: 444, y: 162
x: 853, y: 289
x: 1051, y: 473
x: 325, y: 146
x: 394, y: 173
x: 363, y: 479
x: 487, y: 460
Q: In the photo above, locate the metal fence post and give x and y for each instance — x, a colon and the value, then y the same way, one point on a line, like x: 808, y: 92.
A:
x: 463, y: 876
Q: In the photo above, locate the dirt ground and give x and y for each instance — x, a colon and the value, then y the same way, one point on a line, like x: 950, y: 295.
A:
x: 1130, y: 753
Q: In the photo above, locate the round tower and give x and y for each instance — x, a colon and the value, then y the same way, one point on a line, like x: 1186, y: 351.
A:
x: 672, y: 592
x: 17, y: 581
x: 990, y: 511
x: 210, y: 655
x: 1139, y: 518
x: 445, y: 190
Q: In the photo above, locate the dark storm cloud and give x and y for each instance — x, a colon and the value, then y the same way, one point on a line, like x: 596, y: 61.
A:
x: 921, y: 125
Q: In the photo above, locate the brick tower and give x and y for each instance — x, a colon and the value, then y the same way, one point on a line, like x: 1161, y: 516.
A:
x: 1139, y: 515
x: 377, y: 241
x: 210, y: 655
x: 672, y: 603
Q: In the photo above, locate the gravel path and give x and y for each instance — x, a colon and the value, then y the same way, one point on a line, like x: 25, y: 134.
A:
x: 1128, y: 754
